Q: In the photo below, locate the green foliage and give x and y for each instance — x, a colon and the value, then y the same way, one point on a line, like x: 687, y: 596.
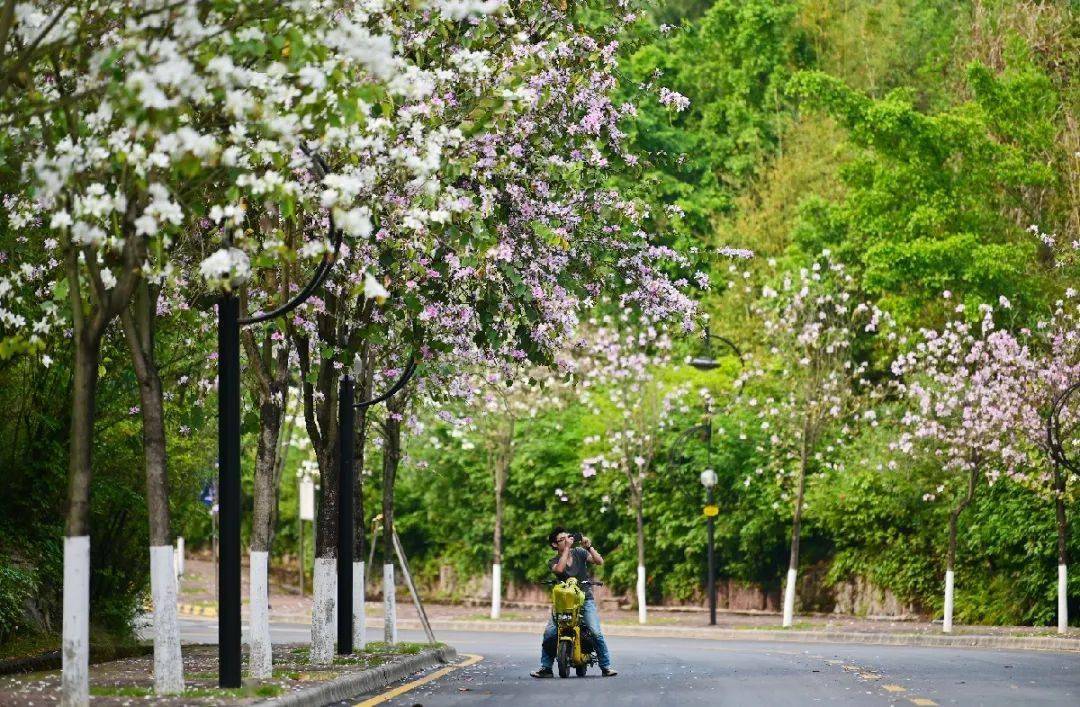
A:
x: 731, y: 65
x: 938, y: 201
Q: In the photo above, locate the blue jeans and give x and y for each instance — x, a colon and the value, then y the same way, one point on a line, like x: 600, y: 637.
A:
x: 591, y: 618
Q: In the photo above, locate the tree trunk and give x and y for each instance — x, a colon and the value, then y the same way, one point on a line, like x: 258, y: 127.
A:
x: 1063, y: 550
x: 324, y: 607
x: 284, y: 442
x: 271, y: 413
x: 637, y: 494
x: 364, y: 379
x: 503, y: 459
x: 950, y: 559
x: 320, y: 419
x: 88, y: 326
x: 796, y: 534
x: 76, y: 600
x: 395, y: 407
x: 139, y: 331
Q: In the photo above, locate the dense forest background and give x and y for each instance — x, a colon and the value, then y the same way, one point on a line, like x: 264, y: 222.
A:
x: 919, y: 141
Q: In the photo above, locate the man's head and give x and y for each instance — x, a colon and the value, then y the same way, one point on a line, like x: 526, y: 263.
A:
x: 556, y: 535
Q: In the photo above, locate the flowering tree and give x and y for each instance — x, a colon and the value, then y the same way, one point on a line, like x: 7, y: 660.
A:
x: 1052, y: 367
x: 499, y: 400
x: 487, y: 239
x: 170, y: 114
x: 618, y: 370
x: 965, y: 391
x: 812, y: 325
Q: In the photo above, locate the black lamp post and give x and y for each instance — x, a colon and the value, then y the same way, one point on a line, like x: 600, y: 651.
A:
x: 705, y: 362
x: 346, y: 523
x: 229, y: 323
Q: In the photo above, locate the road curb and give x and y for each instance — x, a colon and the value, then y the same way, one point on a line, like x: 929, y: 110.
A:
x: 353, y: 684
x: 1027, y: 643
x: 927, y: 640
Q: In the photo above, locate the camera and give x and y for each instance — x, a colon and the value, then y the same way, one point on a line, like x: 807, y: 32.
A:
x: 576, y: 537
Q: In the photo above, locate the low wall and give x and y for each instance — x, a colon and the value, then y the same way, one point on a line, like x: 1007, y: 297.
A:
x: 856, y: 597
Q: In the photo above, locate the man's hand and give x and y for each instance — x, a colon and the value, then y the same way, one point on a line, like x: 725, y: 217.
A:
x: 585, y: 542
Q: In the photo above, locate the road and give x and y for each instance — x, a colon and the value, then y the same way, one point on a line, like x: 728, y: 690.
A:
x: 666, y: 671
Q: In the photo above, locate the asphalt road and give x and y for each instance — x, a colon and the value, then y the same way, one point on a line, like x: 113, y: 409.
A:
x: 666, y: 671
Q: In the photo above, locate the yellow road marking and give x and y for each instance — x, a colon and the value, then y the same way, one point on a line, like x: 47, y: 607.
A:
x: 470, y: 659
x: 893, y: 688
x: 922, y: 702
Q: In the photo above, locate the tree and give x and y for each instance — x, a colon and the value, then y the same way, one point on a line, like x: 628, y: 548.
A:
x: 619, y: 370
x: 489, y: 238
x: 1047, y: 373
x: 814, y: 326
x: 965, y: 392
x: 939, y: 201
x: 499, y: 401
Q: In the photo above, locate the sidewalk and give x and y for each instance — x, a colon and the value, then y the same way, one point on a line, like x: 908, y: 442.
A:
x: 197, y: 599
x: 295, y: 682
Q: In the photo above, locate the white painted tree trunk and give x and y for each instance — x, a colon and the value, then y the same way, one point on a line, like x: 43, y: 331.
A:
x: 324, y: 611
x: 789, y: 597
x: 389, y: 604
x: 496, y: 590
x: 946, y: 624
x: 168, y: 660
x: 1063, y: 599
x: 76, y: 640
x: 179, y: 557
x: 261, y: 664
x: 641, y: 610
x: 359, y: 617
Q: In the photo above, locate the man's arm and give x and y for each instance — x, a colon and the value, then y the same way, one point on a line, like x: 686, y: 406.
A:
x: 564, y: 559
x: 593, y: 557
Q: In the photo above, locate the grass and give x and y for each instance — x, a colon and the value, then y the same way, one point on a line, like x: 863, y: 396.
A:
x: 380, y: 647
x: 797, y: 626
x: 104, y: 645
x: 29, y: 645
x: 196, y: 692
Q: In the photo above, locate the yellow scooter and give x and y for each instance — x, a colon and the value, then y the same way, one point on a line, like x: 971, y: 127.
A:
x: 574, y: 645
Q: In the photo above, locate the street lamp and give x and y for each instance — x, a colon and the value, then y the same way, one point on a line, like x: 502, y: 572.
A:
x: 347, y: 407
x: 229, y: 323
x: 705, y: 361
x: 708, y: 480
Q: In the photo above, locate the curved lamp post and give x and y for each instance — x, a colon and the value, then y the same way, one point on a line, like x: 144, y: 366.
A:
x: 706, y: 362
x: 347, y: 408
x: 229, y: 323
x: 1062, y: 463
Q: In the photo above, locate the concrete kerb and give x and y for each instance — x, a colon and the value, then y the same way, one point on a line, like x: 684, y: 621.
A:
x: 1041, y: 643
x: 348, y: 686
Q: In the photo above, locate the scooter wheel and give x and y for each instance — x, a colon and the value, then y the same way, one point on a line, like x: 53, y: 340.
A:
x: 563, y: 659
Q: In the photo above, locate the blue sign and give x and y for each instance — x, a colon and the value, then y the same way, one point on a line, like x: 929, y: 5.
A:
x: 208, y: 495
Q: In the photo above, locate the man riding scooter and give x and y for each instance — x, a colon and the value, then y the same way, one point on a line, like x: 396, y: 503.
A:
x: 573, y: 562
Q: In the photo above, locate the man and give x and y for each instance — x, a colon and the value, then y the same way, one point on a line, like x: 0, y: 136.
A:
x: 573, y: 562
